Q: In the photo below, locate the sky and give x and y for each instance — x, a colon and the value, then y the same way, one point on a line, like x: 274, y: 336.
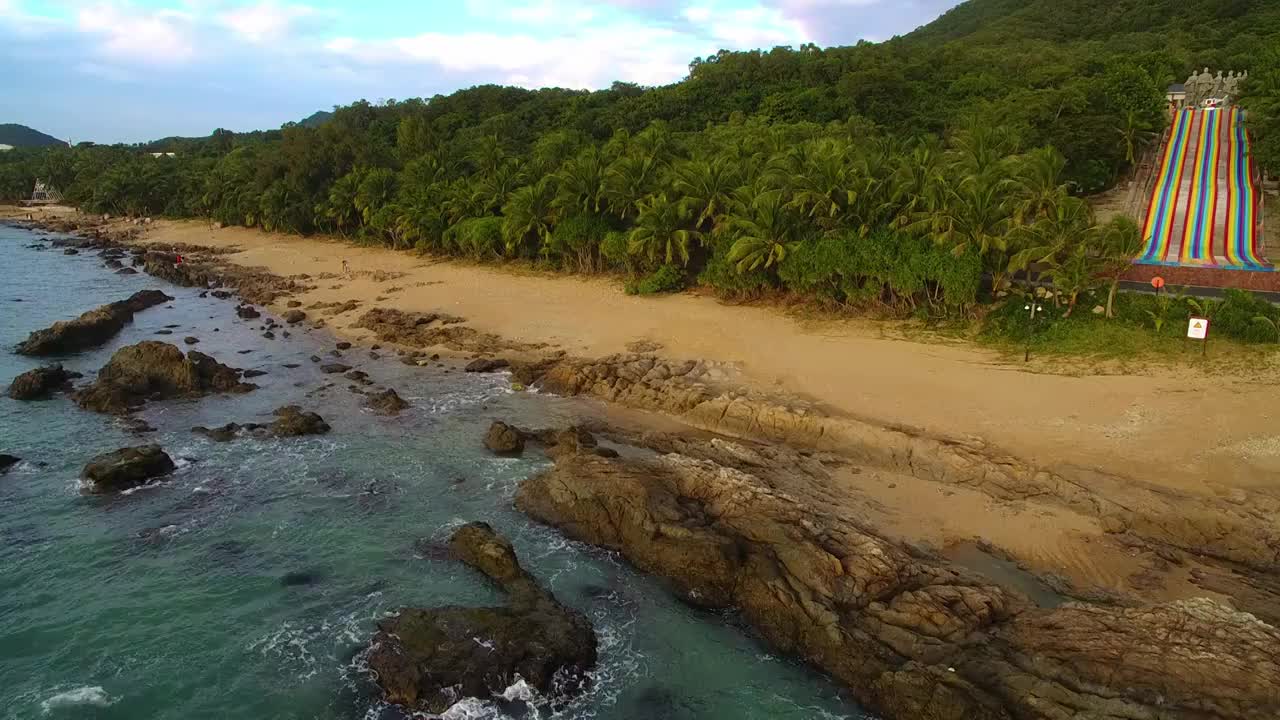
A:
x: 137, y: 70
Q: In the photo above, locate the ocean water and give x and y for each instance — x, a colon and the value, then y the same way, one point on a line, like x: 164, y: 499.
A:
x: 170, y: 601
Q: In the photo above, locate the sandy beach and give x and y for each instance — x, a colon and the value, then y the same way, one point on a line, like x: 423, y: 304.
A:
x: 1175, y: 430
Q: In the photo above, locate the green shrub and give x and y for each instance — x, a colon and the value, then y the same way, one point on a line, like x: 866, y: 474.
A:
x: 667, y: 278
x: 1236, y: 317
x: 614, y: 251
x: 722, y: 276
x: 479, y: 238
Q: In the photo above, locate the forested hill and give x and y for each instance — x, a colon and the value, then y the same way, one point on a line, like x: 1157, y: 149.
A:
x: 23, y: 136
x: 900, y: 174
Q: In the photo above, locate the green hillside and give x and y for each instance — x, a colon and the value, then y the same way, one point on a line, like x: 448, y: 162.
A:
x: 917, y: 175
x: 23, y: 136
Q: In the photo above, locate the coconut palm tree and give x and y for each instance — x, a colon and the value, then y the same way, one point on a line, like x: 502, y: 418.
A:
x: 764, y: 231
x: 1038, y: 185
x: 581, y: 183
x: 529, y: 215
x: 628, y: 180
x: 706, y: 189
x: 494, y: 188
x: 1119, y: 242
x: 661, y: 234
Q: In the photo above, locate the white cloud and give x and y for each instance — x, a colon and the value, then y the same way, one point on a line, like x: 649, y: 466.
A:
x: 150, y: 36
x: 264, y: 21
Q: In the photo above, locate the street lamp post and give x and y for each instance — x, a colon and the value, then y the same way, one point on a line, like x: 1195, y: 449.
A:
x: 1032, y: 307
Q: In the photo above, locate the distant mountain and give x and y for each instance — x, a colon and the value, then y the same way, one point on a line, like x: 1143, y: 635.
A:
x: 23, y: 136
x: 316, y: 119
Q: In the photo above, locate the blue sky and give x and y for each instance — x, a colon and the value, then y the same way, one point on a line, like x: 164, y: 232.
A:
x: 133, y: 70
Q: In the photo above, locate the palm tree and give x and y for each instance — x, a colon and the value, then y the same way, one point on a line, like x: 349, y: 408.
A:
x: 661, y: 234
x: 1038, y: 184
x: 494, y: 188
x: 765, y: 231
x: 487, y: 155
x: 1119, y: 243
x: 1136, y: 132
x: 529, y: 214
x: 581, y: 183
x: 1075, y: 274
x: 706, y: 189
x: 1061, y: 226
x: 628, y: 180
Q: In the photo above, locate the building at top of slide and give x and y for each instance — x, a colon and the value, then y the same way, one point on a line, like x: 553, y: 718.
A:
x: 1205, y: 207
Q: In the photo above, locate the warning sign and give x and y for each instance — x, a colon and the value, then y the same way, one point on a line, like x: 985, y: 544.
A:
x: 1198, y: 328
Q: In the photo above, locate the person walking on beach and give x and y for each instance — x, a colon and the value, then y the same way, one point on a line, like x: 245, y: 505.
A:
x: 346, y: 270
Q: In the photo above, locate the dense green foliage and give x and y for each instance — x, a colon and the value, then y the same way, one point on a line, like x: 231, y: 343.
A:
x: 910, y: 176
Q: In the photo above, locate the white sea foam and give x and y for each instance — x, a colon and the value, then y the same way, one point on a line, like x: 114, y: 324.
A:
x: 90, y: 695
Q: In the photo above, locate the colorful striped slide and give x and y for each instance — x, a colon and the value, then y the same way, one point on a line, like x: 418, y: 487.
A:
x: 1204, y: 209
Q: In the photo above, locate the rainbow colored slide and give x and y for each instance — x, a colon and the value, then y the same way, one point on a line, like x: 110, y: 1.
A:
x: 1204, y: 208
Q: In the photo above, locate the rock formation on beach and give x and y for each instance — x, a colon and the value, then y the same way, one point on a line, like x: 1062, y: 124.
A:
x: 90, y: 329
x: 40, y: 383
x: 126, y: 468
x: 153, y: 370
x: 291, y: 421
x: 914, y: 637
x: 387, y: 402
x: 426, y: 659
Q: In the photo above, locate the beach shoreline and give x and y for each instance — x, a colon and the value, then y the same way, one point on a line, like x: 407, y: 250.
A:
x: 1079, y: 448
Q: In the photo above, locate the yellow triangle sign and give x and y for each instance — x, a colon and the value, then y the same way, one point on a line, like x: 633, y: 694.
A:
x: 1198, y: 326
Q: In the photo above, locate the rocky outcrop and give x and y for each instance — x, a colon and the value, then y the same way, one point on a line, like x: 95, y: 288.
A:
x: 486, y: 365
x: 503, y: 439
x: 293, y: 317
x: 428, y: 329
x: 126, y: 468
x: 913, y: 637
x: 8, y: 461
x: 90, y: 329
x: 387, y: 402
x: 153, y: 370
x: 41, y: 382
x: 428, y: 659
x: 1238, y: 529
x: 292, y: 421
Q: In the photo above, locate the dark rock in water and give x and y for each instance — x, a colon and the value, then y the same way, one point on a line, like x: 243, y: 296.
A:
x: 504, y: 439
x: 90, y: 329
x: 291, y: 366
x: 357, y: 376
x: 138, y: 426
x: 293, y: 317
x: 172, y: 326
x: 126, y: 271
x: 484, y: 365
x: 244, y: 352
x: 605, y: 452
x: 151, y: 370
x: 426, y: 658
x: 387, y: 402
x: 126, y: 468
x: 335, y: 353
x: 374, y: 356
x: 40, y: 383
x: 8, y: 461
x: 294, y: 421
x: 334, y: 368
x: 225, y: 433
x: 300, y: 577
x: 253, y: 373
x: 269, y: 335
x: 204, y: 294
x: 315, y: 358
x: 221, y: 294
x: 344, y: 345
x: 113, y: 264
x: 71, y: 251
x: 190, y: 340
x: 164, y: 332
x: 248, y: 312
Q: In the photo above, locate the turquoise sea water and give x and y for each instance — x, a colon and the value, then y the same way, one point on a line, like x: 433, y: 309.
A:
x: 169, y: 602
